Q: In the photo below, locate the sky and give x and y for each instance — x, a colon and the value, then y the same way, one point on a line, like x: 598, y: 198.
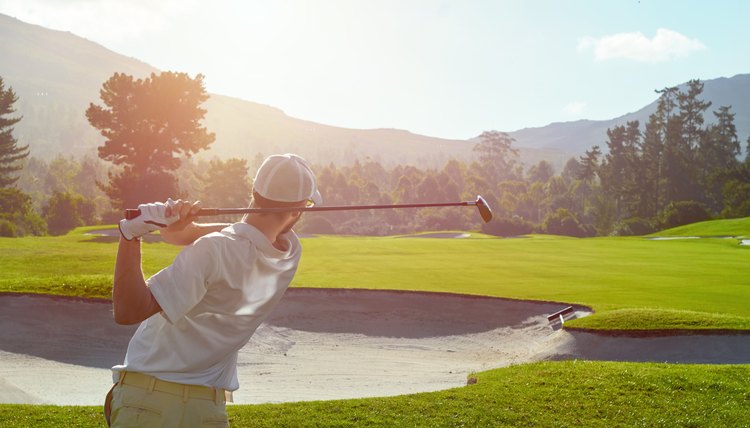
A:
x: 450, y: 69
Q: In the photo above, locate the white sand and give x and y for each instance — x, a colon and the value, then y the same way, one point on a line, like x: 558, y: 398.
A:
x: 326, y: 344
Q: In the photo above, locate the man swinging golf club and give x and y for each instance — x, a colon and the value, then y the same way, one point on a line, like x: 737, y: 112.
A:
x: 197, y: 313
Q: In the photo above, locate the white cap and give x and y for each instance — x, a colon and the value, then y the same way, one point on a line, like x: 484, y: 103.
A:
x: 286, y: 178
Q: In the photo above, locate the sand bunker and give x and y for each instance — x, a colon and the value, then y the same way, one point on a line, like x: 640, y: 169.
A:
x: 326, y: 344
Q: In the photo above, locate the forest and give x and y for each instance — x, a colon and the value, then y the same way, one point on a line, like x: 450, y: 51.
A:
x: 675, y: 169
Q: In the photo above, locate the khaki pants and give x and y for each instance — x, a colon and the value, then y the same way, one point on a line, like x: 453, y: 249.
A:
x: 139, y: 400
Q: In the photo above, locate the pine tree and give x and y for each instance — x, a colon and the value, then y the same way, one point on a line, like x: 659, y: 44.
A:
x: 652, y: 164
x: 11, y: 154
x: 497, y: 157
x: 147, y: 123
x: 718, y: 153
x: 683, y: 140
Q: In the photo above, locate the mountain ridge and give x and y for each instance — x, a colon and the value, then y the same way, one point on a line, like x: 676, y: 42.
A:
x: 715, y: 90
x: 56, y: 74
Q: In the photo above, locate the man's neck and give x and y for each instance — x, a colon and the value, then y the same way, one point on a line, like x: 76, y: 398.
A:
x: 268, y: 227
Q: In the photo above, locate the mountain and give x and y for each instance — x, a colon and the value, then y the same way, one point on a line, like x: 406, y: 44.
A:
x: 581, y: 135
x: 57, y: 74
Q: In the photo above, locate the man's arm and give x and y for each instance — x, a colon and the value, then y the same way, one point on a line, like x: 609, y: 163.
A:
x: 131, y: 299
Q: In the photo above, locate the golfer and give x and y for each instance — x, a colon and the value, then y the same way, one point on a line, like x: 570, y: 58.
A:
x: 181, y: 364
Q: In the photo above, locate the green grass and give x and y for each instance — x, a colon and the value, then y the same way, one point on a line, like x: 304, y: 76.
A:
x: 727, y: 227
x: 632, y: 283
x: 680, y: 284
x: 561, y: 394
x: 76, y: 264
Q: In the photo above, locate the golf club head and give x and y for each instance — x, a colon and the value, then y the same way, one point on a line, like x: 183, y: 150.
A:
x: 484, y: 209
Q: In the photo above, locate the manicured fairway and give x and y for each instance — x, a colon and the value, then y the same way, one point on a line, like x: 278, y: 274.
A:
x: 632, y: 283
x: 726, y: 227
x: 648, y: 284
x: 573, y: 393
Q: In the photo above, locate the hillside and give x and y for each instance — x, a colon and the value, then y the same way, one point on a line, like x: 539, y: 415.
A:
x: 581, y: 135
x: 244, y: 128
x: 57, y: 74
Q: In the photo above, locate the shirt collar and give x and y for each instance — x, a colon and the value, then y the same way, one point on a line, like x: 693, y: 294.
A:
x: 262, y: 242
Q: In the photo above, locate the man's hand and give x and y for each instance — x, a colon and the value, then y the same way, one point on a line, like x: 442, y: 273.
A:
x: 154, y: 216
x: 185, y: 212
x: 184, y: 231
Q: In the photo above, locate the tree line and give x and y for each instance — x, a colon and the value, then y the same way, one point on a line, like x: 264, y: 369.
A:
x: 674, y: 170
x: 675, y: 165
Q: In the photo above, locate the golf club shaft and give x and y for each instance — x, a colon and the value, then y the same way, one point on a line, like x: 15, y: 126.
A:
x: 133, y: 213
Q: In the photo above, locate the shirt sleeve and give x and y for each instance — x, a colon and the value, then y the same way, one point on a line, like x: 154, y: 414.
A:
x: 181, y: 285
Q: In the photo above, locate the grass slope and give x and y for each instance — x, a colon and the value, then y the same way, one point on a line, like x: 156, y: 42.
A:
x: 574, y: 393
x: 727, y: 227
x: 632, y: 283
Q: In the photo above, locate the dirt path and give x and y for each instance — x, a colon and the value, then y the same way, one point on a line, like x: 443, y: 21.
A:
x: 326, y: 344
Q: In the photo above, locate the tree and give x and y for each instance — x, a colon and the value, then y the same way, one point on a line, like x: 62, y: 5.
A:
x: 736, y: 191
x: 682, y: 139
x: 587, y: 172
x: 652, y: 163
x: 684, y: 212
x: 691, y: 113
x: 563, y: 222
x: 496, y: 156
x: 17, y: 217
x: 147, y: 123
x: 718, y: 152
x: 66, y: 211
x: 589, y: 165
x: 10, y: 153
x: 541, y: 172
x: 618, y: 173
x: 675, y: 150
x: 227, y: 184
x: 571, y: 170
x: 427, y: 190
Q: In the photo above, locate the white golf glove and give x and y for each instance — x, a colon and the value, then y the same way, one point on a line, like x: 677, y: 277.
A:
x: 153, y: 217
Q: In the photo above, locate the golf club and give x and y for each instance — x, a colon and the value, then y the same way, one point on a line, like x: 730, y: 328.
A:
x: 480, y: 203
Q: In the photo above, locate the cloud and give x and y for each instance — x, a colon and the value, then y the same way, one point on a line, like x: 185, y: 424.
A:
x: 664, y: 46
x: 575, y: 108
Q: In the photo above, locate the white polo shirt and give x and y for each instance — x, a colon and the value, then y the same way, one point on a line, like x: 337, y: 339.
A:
x: 213, y: 297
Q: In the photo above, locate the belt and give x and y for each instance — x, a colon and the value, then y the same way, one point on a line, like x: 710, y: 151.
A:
x: 150, y: 383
